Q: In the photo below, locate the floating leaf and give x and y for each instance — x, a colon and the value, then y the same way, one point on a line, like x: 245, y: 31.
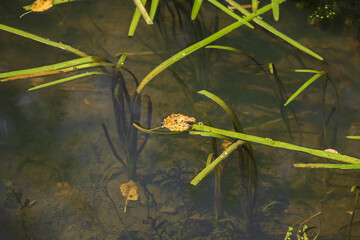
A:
x: 178, y: 122
x: 129, y: 191
x: 41, y: 5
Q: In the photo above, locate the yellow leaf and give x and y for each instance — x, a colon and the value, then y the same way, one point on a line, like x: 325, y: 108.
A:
x: 41, y: 5
x: 178, y: 122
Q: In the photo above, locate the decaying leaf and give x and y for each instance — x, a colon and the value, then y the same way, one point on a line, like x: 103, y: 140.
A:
x: 226, y: 144
x: 40, y: 6
x: 129, y: 191
x: 178, y: 122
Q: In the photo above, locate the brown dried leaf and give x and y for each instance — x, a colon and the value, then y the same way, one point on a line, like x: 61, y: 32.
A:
x: 178, y: 122
x: 41, y: 5
x: 129, y: 191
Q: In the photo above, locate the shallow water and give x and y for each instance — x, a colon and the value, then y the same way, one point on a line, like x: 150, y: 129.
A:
x: 60, y: 179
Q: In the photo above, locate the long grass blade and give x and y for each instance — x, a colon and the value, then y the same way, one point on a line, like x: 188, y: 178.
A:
x: 143, y: 11
x: 195, y: 9
x: 68, y: 79
x: 226, y: 107
x: 180, y: 55
x: 269, y: 142
x: 327, y: 165
x: 42, y: 40
x: 254, y: 5
x: 274, y: 31
x: 153, y: 8
x: 214, y: 163
x: 304, y: 86
x: 135, y: 20
x: 275, y: 9
x: 151, y: 131
x: 353, y: 137
x: 232, y: 14
x: 71, y: 63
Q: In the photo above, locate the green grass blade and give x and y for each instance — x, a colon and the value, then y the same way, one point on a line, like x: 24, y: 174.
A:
x: 68, y: 79
x: 327, y: 165
x: 231, y: 13
x: 226, y: 107
x: 307, y: 71
x: 277, y: 144
x: 353, y: 137
x: 275, y: 9
x: 121, y: 61
x: 195, y: 9
x: 143, y: 11
x: 175, y: 58
x: 214, y: 163
x: 304, y: 86
x: 151, y: 131
x: 254, y: 5
x: 135, y: 20
x: 274, y: 31
x: 153, y: 8
x: 42, y: 40
x: 71, y: 63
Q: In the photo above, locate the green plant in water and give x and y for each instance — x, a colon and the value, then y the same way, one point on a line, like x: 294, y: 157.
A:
x: 127, y: 107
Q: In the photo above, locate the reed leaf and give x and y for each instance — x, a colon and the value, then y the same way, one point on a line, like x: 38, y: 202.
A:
x: 304, y: 86
x: 214, y: 163
x: 121, y: 61
x: 327, y: 165
x: 199, y: 128
x: 71, y: 63
x: 231, y: 13
x: 195, y: 9
x: 151, y: 131
x: 275, y: 9
x: 68, y: 79
x: 353, y: 137
x: 135, y: 20
x: 180, y: 55
x: 226, y: 107
x: 254, y: 5
x: 143, y: 11
x: 274, y: 31
x: 42, y: 40
x: 153, y: 8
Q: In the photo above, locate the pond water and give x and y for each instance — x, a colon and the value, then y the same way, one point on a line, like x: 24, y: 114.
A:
x: 60, y: 179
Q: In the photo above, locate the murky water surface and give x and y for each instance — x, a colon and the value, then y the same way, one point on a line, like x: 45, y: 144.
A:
x: 60, y: 179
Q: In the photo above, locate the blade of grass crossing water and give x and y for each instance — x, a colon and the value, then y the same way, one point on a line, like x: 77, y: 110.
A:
x: 226, y: 10
x: 304, y: 86
x: 42, y: 40
x: 275, y: 9
x: 153, y: 8
x: 68, y: 79
x: 214, y: 163
x: 175, y: 58
x: 353, y: 137
x: 135, y: 20
x: 274, y: 31
x: 143, y: 11
x: 195, y: 9
x: 78, y: 61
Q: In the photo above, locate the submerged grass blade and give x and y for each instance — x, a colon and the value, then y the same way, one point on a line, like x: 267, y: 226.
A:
x: 214, y: 163
x: 153, y: 8
x: 180, y: 55
x: 304, y: 86
x: 151, y: 131
x: 274, y: 31
x: 231, y: 13
x: 71, y: 63
x: 143, y: 11
x: 42, y: 40
x: 68, y: 79
x: 195, y: 9
x: 273, y: 143
x: 135, y: 20
x: 275, y: 9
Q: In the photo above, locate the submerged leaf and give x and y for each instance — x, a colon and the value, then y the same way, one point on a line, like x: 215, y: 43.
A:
x: 129, y: 191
